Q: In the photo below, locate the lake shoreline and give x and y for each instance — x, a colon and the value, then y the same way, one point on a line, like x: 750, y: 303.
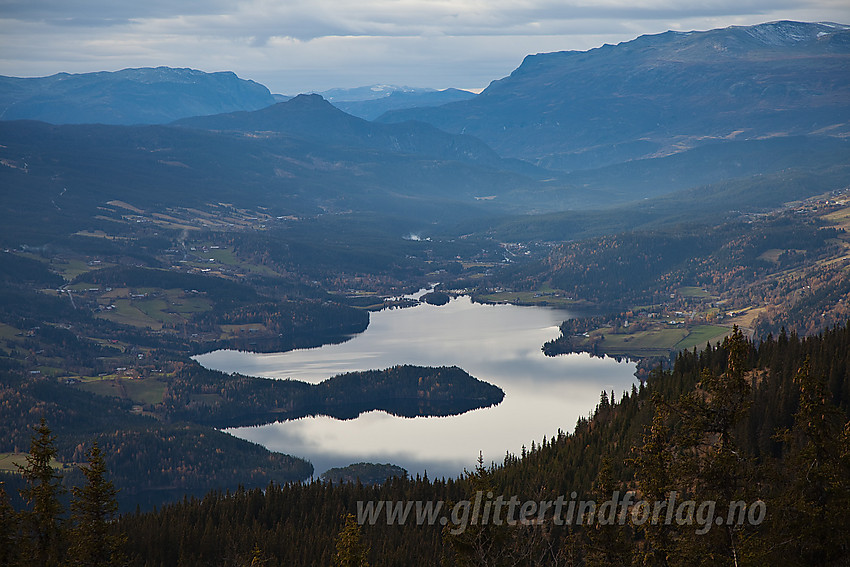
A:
x: 498, y: 344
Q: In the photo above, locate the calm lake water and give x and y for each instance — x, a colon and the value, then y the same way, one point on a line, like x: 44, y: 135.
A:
x: 499, y: 344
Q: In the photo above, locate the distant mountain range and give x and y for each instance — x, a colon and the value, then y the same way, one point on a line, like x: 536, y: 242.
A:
x: 661, y: 94
x: 373, y: 101
x: 310, y: 117
x: 163, y: 94
x: 369, y: 92
x: 673, y: 116
x: 131, y: 96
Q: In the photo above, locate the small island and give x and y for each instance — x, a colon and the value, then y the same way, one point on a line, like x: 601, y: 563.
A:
x: 436, y: 298
x: 365, y: 473
x: 222, y: 400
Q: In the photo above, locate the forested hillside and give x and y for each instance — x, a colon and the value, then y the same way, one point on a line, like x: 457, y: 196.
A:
x: 734, y: 422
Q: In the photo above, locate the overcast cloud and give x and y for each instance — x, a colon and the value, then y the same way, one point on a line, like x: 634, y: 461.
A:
x: 299, y: 45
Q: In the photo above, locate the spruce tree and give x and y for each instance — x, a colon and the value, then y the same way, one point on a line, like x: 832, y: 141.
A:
x: 257, y: 557
x: 42, y: 543
x: 473, y: 541
x: 607, y: 543
x: 93, y: 508
x: 8, y: 529
x: 652, y: 462
x: 711, y: 464
x: 350, y: 550
x: 812, y: 512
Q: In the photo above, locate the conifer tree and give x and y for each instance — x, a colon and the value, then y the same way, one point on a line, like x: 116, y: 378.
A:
x: 651, y: 460
x: 711, y: 464
x: 350, y: 550
x: 257, y: 557
x: 8, y: 529
x: 813, y: 512
x: 607, y: 543
x: 93, y: 508
x: 476, y: 541
x: 42, y: 545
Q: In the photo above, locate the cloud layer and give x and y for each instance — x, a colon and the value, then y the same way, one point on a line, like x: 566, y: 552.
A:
x: 302, y: 45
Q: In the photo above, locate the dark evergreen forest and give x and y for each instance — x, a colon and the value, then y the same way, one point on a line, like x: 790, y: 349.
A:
x: 738, y: 421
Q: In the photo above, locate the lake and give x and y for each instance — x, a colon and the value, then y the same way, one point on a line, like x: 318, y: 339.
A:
x: 499, y: 344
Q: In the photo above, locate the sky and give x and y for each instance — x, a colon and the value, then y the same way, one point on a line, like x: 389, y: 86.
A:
x: 294, y: 46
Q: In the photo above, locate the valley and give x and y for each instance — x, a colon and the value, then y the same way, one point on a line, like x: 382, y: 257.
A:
x: 252, y: 300
x: 124, y: 333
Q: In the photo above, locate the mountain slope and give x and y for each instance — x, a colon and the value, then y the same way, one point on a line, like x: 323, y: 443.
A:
x: 659, y: 94
x: 130, y: 96
x: 58, y: 176
x: 706, y: 204
x: 714, y: 162
x: 310, y: 117
x: 398, y: 100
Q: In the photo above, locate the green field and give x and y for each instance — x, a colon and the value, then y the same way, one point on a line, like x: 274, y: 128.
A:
x: 165, y: 307
x: 9, y: 462
x: 700, y: 335
x: 7, y: 332
x: 51, y: 370
x: 157, y: 309
x: 243, y: 267
x: 691, y: 291
x: 144, y: 391
x: 840, y: 218
x: 226, y: 256
x: 771, y: 255
x: 231, y: 331
x: 221, y: 255
x: 80, y: 287
x: 128, y: 314
x: 528, y: 298
x: 652, y: 342
x: 69, y: 269
x: 658, y: 341
x: 188, y: 305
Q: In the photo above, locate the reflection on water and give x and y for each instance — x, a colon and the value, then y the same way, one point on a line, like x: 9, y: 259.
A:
x: 496, y: 343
